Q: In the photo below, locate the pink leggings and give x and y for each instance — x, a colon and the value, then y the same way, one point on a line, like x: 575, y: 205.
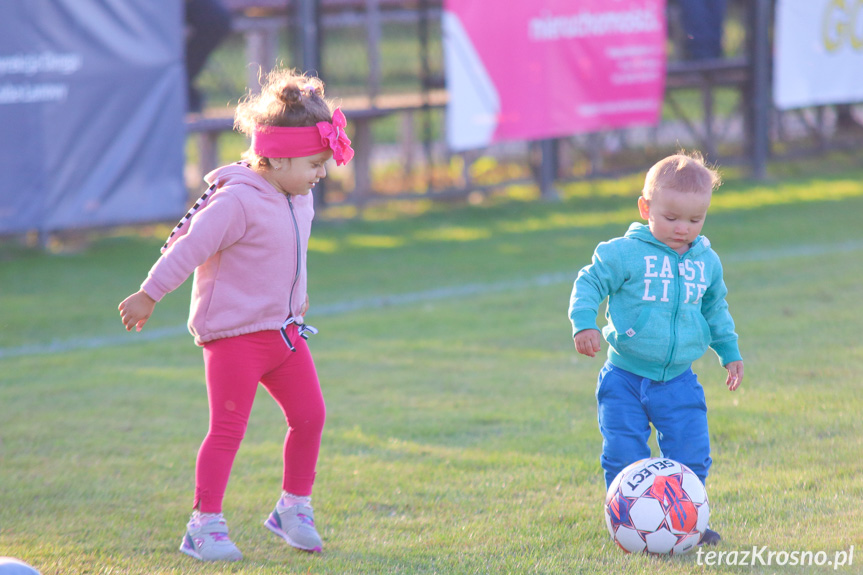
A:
x: 233, y: 368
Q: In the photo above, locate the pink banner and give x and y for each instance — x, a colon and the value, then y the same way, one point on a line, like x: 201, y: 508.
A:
x: 534, y: 69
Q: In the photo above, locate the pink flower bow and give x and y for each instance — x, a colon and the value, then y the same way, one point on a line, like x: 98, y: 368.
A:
x: 333, y: 135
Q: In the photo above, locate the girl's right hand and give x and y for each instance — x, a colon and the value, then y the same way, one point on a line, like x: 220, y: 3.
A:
x: 136, y: 309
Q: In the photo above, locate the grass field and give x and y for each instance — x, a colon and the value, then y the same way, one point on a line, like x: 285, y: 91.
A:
x: 461, y: 433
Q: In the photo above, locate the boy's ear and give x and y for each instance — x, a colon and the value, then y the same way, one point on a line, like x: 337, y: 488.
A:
x: 643, y: 208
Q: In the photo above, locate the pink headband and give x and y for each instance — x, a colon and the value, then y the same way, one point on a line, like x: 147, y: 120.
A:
x: 281, y: 142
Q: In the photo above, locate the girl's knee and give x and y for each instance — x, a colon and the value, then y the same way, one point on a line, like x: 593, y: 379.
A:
x: 310, y: 420
x: 225, y: 439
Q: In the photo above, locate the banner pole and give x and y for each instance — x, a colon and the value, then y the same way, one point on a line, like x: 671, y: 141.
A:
x: 761, y: 92
x: 548, y: 169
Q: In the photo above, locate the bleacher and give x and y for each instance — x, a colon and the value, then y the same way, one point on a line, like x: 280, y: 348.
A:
x: 261, y: 21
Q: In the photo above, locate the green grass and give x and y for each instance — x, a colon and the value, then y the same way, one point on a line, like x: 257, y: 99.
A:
x: 461, y: 434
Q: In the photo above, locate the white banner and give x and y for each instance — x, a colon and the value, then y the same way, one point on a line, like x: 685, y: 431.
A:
x: 818, y: 53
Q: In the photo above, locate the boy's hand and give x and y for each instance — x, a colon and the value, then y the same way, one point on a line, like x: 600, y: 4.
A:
x: 735, y: 375
x: 136, y: 309
x: 587, y: 342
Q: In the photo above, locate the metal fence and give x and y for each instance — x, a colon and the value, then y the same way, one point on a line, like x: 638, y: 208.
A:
x: 383, y: 60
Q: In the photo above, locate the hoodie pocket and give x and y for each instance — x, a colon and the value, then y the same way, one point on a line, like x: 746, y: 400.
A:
x: 694, y: 338
x: 638, y: 340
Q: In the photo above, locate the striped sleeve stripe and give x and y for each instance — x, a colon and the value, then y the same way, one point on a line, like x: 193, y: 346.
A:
x: 189, y: 215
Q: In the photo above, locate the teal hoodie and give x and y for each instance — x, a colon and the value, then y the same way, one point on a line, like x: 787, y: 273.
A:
x: 664, y: 309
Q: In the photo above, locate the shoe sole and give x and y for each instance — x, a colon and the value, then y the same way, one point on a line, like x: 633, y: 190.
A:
x: 278, y: 531
x: 190, y: 551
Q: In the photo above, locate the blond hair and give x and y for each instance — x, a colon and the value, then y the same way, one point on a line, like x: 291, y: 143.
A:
x: 287, y: 99
x: 681, y: 172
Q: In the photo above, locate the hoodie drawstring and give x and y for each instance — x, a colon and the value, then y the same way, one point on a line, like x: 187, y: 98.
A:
x: 302, y: 329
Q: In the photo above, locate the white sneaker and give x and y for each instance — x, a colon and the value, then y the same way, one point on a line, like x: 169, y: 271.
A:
x: 296, y: 525
x: 210, y: 541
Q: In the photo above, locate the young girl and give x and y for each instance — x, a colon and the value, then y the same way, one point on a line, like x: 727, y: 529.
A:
x: 246, y: 241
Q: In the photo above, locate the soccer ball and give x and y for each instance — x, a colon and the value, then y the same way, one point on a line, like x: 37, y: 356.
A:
x: 656, y: 506
x: 12, y: 566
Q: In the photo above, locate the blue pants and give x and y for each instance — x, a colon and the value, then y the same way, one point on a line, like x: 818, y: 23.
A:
x: 627, y: 404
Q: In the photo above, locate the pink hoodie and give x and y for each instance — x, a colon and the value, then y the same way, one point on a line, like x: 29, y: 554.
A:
x: 247, y: 247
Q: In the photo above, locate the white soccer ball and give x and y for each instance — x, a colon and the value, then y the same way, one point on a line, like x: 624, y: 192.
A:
x: 12, y: 566
x: 657, y: 506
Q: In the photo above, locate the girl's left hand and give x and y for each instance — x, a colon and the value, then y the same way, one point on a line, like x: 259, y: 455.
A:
x: 305, y: 307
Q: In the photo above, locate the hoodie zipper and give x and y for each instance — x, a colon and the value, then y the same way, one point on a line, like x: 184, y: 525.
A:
x: 299, y: 255
x: 677, y: 304
x: 296, y: 275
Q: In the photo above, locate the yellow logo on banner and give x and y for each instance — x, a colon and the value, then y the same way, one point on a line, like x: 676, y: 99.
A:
x: 843, y: 22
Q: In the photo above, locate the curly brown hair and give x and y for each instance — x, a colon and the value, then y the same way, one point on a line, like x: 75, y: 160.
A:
x: 288, y: 98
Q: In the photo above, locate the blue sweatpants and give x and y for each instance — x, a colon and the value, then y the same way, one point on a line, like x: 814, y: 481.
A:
x: 627, y: 404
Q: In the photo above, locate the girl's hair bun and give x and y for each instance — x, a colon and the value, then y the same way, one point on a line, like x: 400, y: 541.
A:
x: 295, y: 93
x: 287, y: 98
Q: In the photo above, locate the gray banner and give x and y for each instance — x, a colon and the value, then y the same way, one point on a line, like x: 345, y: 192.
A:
x: 92, y: 98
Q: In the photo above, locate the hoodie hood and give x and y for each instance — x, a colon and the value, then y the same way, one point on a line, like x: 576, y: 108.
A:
x: 641, y: 232
x: 239, y: 173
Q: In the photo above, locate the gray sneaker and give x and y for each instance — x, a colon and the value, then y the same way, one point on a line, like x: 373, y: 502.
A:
x: 210, y: 542
x: 296, y: 525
